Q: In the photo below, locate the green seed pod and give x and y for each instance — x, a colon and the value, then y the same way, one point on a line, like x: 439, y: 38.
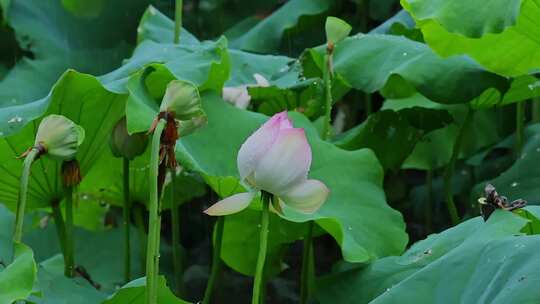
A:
x: 59, y: 137
x: 182, y: 98
x: 336, y: 30
x: 124, y: 145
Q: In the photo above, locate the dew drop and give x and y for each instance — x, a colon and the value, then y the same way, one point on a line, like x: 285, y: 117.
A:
x: 515, y: 184
x: 349, y: 228
x: 139, y: 30
x: 404, y: 54
x: 259, y: 226
x: 15, y: 119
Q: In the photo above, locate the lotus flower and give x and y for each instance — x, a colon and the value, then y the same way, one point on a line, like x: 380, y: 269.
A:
x: 276, y: 158
x: 239, y: 96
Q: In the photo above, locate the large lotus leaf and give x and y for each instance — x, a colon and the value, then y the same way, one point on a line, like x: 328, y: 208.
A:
x: 77, y: 96
x: 104, y: 266
x: 266, y: 36
x: 206, y: 64
x: 403, y: 63
x: 17, y: 278
x: 469, y: 18
x: 104, y: 183
x: 435, y: 148
x: 522, y: 178
x: 392, y: 135
x: 134, y: 292
x: 59, y: 40
x: 146, y: 90
x: 157, y: 27
x: 522, y: 88
x: 305, y: 97
x: 402, y: 17
x: 356, y: 203
x: 474, y: 262
x: 54, y: 287
x: 512, y: 52
x: 278, y: 70
x: 241, y: 236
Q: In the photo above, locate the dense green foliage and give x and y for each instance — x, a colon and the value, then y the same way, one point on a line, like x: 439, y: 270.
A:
x: 429, y: 100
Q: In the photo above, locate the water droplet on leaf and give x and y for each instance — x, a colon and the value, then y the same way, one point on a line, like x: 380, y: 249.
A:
x: 15, y: 119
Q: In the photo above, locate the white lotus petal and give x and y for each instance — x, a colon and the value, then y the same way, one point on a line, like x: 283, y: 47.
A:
x: 231, y: 204
x: 285, y: 163
x: 259, y: 142
x: 306, y: 197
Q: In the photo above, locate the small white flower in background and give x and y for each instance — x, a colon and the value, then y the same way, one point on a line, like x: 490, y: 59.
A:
x: 276, y: 158
x: 239, y: 95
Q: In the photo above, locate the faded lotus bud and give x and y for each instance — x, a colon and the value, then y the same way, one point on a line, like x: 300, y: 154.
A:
x: 182, y: 98
x: 59, y: 137
x: 124, y: 145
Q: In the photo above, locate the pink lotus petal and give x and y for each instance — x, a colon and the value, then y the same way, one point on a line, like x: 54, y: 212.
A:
x: 259, y: 142
x: 231, y: 204
x: 238, y: 96
x: 285, y: 163
x: 306, y: 197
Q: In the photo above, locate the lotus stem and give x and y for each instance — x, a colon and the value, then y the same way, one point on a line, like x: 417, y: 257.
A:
x: 177, y: 21
x: 141, y: 229
x: 176, y: 246
x: 520, y: 126
x: 60, y: 225
x: 216, y: 260
x: 327, y: 127
x: 429, y: 200
x: 535, y: 110
x: 126, y: 218
x: 307, y: 263
x: 69, y: 258
x: 450, y: 168
x: 21, y: 203
x: 152, y: 252
x: 259, y: 270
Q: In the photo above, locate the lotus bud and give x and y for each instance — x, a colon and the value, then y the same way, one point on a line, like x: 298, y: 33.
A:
x: 336, y: 30
x: 239, y: 96
x: 124, y: 145
x: 276, y: 159
x: 182, y: 99
x: 59, y: 137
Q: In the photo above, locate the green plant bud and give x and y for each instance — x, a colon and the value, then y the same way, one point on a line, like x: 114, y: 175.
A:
x: 124, y: 145
x: 336, y: 30
x: 59, y: 136
x: 182, y: 99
